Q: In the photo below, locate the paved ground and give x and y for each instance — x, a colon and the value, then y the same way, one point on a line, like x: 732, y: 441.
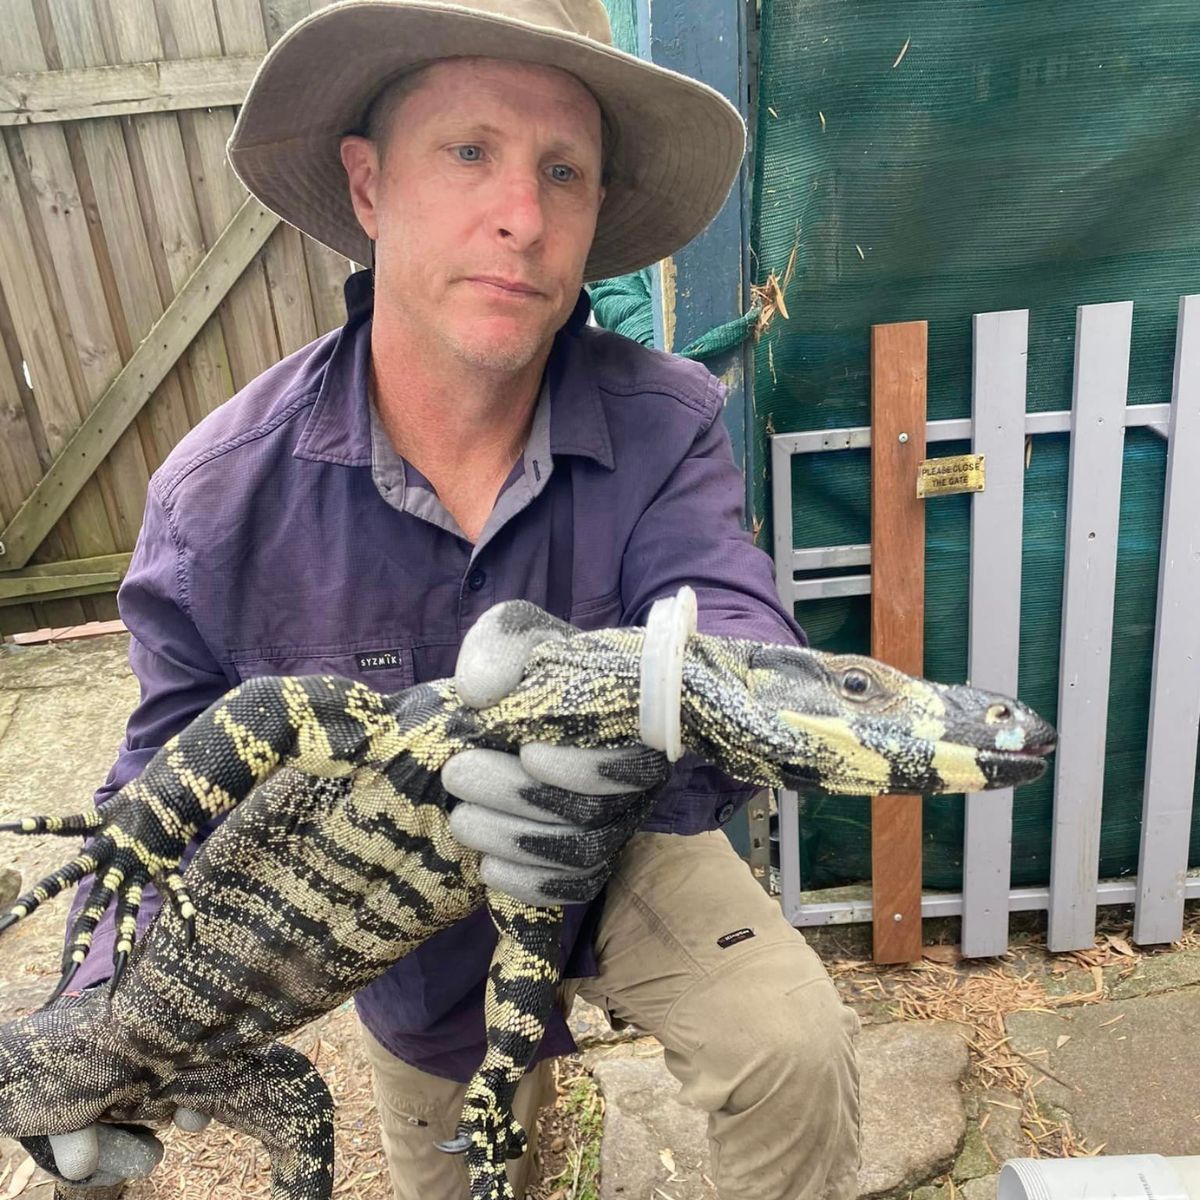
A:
x: 963, y: 1064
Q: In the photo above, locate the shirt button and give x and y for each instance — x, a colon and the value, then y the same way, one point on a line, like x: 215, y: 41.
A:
x: 476, y: 579
x: 725, y: 812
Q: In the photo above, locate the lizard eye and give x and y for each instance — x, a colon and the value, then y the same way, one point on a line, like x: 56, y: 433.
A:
x: 856, y: 683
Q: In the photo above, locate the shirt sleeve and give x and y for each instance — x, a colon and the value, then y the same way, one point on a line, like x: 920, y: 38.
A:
x: 692, y: 533
x: 178, y: 676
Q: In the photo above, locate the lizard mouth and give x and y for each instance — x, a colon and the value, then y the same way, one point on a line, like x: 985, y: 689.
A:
x: 1006, y: 768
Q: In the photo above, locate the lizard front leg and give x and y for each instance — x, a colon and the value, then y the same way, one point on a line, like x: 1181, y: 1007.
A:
x: 521, y: 990
x: 320, y: 724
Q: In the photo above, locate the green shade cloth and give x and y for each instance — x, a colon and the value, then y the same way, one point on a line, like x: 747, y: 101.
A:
x: 935, y: 159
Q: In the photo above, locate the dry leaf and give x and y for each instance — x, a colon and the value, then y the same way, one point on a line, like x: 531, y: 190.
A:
x: 1063, y: 1039
x: 943, y: 954
x: 1121, y: 946
x: 21, y: 1176
x: 668, y: 1160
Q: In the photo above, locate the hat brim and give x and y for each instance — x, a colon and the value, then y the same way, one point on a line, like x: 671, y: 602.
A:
x: 676, y: 144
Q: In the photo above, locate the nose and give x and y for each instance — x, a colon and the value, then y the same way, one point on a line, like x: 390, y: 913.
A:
x: 520, y: 219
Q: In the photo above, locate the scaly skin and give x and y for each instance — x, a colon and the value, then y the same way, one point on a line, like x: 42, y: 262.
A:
x: 337, y: 859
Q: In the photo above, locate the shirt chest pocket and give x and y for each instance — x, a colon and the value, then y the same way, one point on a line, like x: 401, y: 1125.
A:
x: 601, y: 613
x: 382, y: 663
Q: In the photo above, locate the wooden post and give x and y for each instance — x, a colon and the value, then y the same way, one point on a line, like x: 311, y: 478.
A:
x: 898, y: 359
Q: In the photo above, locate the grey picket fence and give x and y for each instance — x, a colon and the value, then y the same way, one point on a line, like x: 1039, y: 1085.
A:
x: 997, y: 429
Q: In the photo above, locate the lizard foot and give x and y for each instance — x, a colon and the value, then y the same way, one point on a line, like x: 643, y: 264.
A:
x: 489, y: 1135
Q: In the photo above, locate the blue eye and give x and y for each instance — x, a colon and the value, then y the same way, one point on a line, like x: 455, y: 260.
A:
x: 469, y: 153
x: 561, y: 173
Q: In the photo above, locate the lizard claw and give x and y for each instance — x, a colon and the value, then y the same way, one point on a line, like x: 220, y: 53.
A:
x: 459, y: 1144
x: 64, y: 982
x: 120, y: 962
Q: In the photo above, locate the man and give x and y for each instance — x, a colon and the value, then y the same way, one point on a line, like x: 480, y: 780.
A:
x: 467, y: 438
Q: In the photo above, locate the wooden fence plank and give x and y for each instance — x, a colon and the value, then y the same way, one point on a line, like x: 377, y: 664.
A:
x: 129, y: 391
x: 84, y: 309
x: 78, y: 94
x: 190, y: 30
x: 21, y: 590
x: 1093, y: 507
x: 33, y: 320
x: 53, y: 200
x: 998, y: 433
x: 136, y: 303
x: 168, y: 204
x: 242, y: 29
x: 280, y: 15
x: 33, y: 303
x: 22, y: 479
x: 1175, y: 679
x: 20, y: 467
x: 898, y: 374
x: 82, y: 577
x: 327, y: 274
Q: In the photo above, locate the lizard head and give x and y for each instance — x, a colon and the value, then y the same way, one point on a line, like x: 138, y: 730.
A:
x: 851, y: 725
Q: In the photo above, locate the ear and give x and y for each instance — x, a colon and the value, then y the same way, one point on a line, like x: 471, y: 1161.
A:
x: 360, y: 158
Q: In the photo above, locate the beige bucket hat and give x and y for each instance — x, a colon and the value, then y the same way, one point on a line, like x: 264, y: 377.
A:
x: 674, y: 144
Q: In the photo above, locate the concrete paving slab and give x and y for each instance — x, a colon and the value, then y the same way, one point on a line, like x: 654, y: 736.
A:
x: 913, y: 1119
x: 651, y: 1142
x: 1159, y: 973
x: 983, y: 1188
x: 1123, y: 1071
x: 999, y: 1119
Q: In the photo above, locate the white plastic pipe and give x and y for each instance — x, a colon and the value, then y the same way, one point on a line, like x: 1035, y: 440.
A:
x: 1119, y: 1177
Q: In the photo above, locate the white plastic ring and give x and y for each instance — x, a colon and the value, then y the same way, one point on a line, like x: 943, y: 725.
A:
x: 671, y: 622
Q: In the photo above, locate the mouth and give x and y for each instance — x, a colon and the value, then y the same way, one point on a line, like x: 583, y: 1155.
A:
x: 514, y: 288
x: 1016, y: 766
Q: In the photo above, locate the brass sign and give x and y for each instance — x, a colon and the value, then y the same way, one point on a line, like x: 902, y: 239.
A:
x: 950, y: 475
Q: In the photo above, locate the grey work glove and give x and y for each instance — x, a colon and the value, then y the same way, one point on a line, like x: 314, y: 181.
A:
x: 550, y: 823
x: 103, y: 1156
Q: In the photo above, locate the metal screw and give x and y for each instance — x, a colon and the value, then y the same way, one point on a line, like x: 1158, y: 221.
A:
x: 903, y: 438
x: 897, y: 916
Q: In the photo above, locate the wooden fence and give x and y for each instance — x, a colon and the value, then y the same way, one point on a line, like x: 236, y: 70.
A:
x: 140, y: 286
x: 1096, y: 422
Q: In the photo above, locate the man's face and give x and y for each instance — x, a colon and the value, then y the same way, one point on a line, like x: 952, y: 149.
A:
x: 482, y: 206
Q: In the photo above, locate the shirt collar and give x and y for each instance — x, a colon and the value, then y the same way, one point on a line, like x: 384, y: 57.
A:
x: 339, y: 427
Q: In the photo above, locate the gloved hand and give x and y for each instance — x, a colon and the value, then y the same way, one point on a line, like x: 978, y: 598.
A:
x: 550, y: 823
x: 100, y: 1158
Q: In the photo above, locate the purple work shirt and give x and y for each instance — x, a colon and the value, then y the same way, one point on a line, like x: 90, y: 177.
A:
x: 284, y: 536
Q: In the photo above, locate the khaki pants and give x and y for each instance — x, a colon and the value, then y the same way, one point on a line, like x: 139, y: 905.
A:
x: 752, y: 1027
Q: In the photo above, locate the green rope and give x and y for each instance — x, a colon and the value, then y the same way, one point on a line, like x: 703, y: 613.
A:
x: 723, y: 338
x: 623, y: 305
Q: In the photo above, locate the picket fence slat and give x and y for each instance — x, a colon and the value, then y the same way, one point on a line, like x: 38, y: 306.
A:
x: 1102, y: 338
x: 1175, y: 676
x: 998, y: 408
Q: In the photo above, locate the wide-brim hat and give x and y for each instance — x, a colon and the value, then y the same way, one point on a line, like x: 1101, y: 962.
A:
x: 673, y: 145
